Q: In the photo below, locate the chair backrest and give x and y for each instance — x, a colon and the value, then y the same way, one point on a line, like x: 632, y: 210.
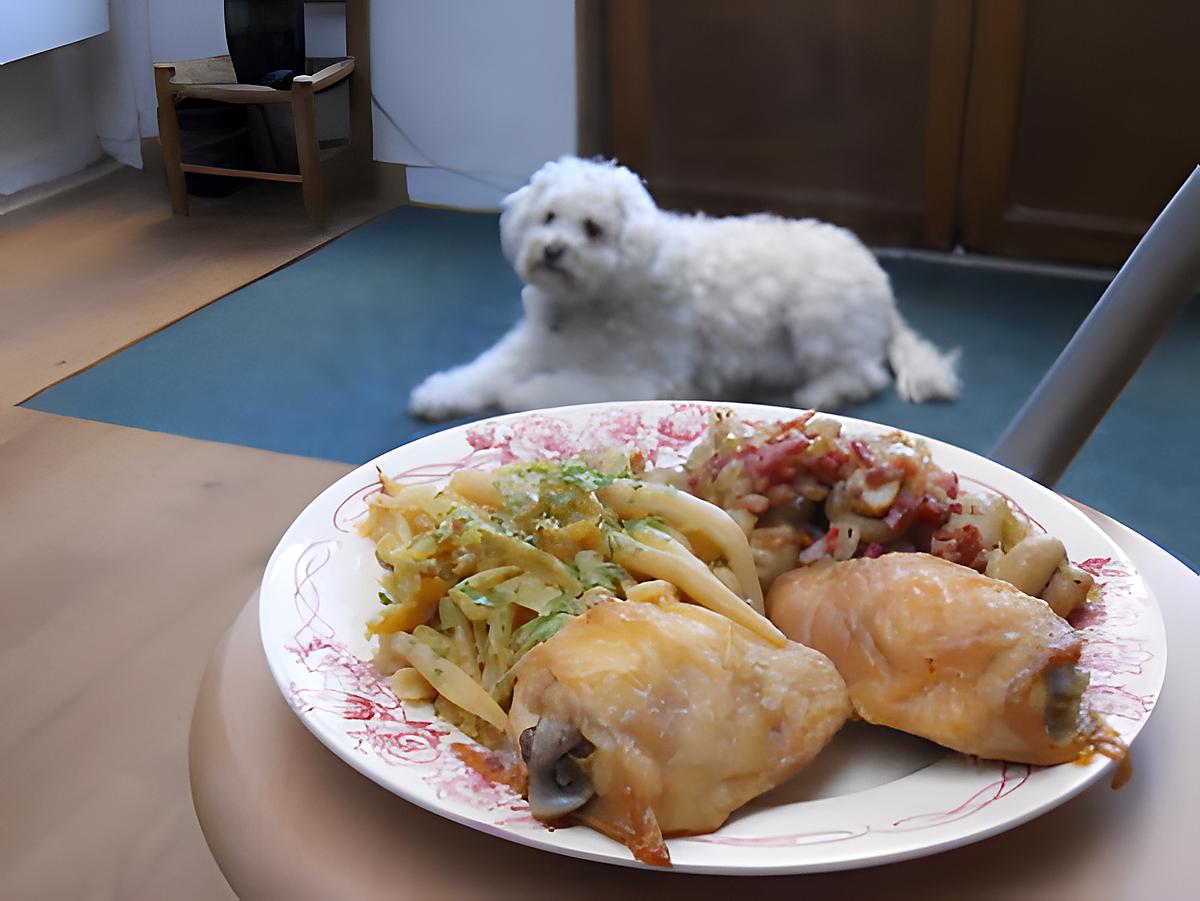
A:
x: 265, y: 37
x: 1146, y: 296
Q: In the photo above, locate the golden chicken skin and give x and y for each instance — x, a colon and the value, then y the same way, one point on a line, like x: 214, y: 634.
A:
x: 941, y: 651
x: 645, y: 720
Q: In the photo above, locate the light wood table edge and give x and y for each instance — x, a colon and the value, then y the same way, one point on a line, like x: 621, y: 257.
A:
x: 239, y: 654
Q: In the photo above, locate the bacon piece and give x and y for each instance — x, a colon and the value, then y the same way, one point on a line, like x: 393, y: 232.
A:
x: 828, y: 466
x: 862, y: 452
x: 770, y: 461
x: 962, y: 545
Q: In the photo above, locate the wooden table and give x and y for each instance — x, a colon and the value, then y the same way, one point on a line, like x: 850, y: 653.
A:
x: 125, y: 554
x: 285, y: 818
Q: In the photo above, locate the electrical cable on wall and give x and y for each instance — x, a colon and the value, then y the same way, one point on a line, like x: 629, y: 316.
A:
x: 429, y: 160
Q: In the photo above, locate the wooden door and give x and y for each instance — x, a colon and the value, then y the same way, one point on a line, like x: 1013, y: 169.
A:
x: 849, y: 111
x: 1052, y: 129
x: 1082, y: 121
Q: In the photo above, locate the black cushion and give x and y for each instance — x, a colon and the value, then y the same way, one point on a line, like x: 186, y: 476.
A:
x: 266, y: 40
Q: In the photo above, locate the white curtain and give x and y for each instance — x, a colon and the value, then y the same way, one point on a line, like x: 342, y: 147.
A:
x: 64, y: 108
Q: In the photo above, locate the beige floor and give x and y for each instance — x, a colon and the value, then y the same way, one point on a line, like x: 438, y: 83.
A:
x: 125, y: 554
x: 88, y: 272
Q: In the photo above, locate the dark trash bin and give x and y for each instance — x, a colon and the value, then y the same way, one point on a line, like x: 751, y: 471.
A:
x: 214, y: 134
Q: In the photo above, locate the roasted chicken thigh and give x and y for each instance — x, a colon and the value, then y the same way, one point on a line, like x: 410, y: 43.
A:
x: 651, y: 719
x: 941, y: 651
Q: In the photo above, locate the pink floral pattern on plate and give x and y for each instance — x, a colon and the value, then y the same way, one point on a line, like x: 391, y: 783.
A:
x: 345, y: 689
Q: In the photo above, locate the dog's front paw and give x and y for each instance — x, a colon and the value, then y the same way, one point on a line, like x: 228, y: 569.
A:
x: 437, y: 398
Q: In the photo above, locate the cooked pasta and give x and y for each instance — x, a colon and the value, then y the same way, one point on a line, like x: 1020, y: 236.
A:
x: 482, y: 570
x: 635, y: 500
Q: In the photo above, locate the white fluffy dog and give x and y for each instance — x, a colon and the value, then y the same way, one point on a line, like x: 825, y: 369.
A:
x: 624, y: 301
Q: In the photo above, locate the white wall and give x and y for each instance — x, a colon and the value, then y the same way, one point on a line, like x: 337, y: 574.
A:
x: 27, y: 28
x: 484, y: 92
x: 47, y: 126
x: 60, y: 110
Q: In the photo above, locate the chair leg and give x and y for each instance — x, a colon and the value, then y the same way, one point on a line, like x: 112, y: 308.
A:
x: 304, y: 119
x: 168, y: 136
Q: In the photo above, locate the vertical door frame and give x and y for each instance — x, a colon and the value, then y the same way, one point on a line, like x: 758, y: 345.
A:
x: 993, y: 110
x: 629, y: 76
x: 615, y: 107
x: 949, y: 72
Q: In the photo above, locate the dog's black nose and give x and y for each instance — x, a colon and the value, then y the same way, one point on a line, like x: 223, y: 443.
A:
x: 553, y: 252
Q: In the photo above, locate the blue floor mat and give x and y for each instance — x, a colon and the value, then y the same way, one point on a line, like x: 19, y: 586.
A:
x: 318, y: 359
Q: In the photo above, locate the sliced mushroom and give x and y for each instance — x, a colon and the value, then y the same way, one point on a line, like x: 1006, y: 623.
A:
x: 1064, y: 686
x: 1030, y: 564
x: 838, y: 508
x: 558, y: 784
x: 1068, y: 588
x: 871, y: 501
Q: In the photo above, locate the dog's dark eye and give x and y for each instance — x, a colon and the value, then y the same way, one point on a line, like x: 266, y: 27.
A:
x: 549, y: 218
x: 593, y: 230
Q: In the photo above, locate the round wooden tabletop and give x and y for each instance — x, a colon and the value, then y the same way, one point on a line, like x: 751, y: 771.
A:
x: 286, y: 818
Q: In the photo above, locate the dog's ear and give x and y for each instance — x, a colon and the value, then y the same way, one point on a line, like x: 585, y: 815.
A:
x: 515, y: 199
x: 634, y: 196
x: 641, y: 231
x: 512, y: 216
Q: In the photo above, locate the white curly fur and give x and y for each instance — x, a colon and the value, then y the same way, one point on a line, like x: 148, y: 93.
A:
x: 624, y: 301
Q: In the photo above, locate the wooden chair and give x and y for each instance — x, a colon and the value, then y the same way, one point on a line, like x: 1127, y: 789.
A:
x: 213, y: 78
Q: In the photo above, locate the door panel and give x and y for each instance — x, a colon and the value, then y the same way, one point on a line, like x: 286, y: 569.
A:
x: 847, y: 111
x: 1082, y: 121
x: 1049, y: 129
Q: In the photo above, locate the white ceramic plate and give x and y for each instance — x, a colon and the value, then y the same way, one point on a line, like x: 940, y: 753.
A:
x: 872, y: 796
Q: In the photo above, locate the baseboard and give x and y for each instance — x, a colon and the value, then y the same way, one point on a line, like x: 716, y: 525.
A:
x: 959, y: 257
x: 38, y: 193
